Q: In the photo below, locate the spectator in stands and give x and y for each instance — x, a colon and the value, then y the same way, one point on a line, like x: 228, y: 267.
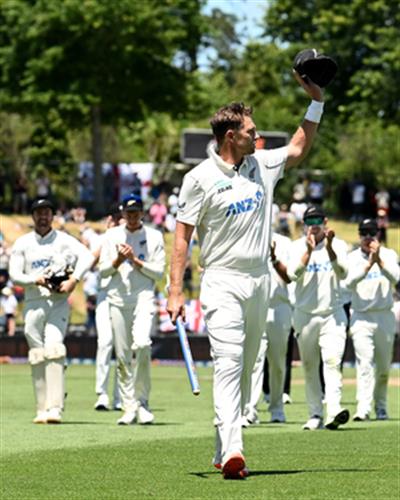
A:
x: 42, y: 183
x: 9, y: 304
x: 358, y: 194
x: 316, y: 192
x: 158, y: 212
x: 20, y: 194
x: 382, y: 200
x: 297, y: 209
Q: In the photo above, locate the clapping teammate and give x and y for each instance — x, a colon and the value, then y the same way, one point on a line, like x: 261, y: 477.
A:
x: 133, y: 256
x: 317, y: 263
x: 373, y: 272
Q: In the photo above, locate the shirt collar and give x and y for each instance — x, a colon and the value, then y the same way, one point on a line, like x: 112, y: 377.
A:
x: 222, y: 164
x: 44, y: 238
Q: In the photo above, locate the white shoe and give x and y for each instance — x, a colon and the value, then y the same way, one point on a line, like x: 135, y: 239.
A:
x: 278, y: 417
x: 339, y: 419
x: 144, y: 415
x: 286, y: 399
x: 360, y: 417
x: 54, y: 416
x: 250, y: 418
x: 127, y: 418
x: 102, y: 403
x: 313, y: 424
x: 381, y: 414
x: 41, y: 417
x: 117, y: 406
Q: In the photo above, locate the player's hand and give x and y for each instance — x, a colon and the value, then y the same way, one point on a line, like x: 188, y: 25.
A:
x: 176, y: 306
x: 272, y: 250
x: 68, y: 285
x: 374, y: 248
x: 312, y: 89
x: 42, y: 281
x: 310, y: 241
x: 125, y: 252
x: 329, y: 235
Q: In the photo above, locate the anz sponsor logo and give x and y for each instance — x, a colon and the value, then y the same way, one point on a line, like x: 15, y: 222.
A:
x: 41, y: 263
x: 372, y: 275
x: 246, y: 205
x: 315, y: 267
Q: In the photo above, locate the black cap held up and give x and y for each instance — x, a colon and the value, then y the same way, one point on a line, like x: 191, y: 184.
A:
x: 319, y: 68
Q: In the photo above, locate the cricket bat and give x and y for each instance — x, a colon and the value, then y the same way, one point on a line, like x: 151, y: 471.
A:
x: 187, y: 354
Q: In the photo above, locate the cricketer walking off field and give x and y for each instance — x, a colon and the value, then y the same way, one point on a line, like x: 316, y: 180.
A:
x: 46, y: 311
x: 228, y: 198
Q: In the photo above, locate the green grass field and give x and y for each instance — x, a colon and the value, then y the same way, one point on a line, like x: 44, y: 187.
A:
x: 90, y: 457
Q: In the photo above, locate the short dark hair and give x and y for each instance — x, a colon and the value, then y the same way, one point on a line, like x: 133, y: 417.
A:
x: 229, y: 117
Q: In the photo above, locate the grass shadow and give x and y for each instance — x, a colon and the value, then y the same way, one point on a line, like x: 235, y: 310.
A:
x: 206, y: 475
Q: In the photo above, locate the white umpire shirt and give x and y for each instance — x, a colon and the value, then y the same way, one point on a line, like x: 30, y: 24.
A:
x: 32, y: 253
x: 232, y: 210
x: 372, y: 290
x: 128, y: 280
x: 317, y: 289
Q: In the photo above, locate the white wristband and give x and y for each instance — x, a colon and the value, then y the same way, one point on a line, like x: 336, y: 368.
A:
x: 314, y: 111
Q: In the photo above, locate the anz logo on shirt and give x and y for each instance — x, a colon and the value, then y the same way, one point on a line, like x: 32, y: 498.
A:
x: 315, y: 267
x: 372, y: 275
x: 41, y: 263
x: 246, y: 205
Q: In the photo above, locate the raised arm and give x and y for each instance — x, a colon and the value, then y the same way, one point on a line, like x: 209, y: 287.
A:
x: 302, y: 140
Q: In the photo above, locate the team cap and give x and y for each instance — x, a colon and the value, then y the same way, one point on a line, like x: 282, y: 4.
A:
x: 368, y: 225
x: 132, y: 203
x: 314, y: 211
x: 42, y: 203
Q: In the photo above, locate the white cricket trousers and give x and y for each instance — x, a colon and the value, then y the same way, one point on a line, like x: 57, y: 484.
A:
x: 235, y: 309
x: 373, y: 338
x: 105, y: 344
x: 132, y: 326
x: 322, y: 336
x: 46, y: 322
x: 273, y: 345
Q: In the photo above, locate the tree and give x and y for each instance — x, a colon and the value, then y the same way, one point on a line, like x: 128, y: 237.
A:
x: 362, y: 36
x: 95, y: 61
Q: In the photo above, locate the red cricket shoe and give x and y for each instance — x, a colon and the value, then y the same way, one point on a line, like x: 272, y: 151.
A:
x: 235, y: 467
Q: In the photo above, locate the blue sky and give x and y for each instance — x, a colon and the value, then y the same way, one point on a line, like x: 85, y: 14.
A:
x: 247, y: 11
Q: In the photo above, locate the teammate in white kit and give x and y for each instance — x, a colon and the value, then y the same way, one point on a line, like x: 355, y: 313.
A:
x: 274, y: 342
x: 228, y: 198
x: 46, y: 312
x: 133, y: 255
x: 105, y: 341
x: 373, y: 272
x: 317, y: 263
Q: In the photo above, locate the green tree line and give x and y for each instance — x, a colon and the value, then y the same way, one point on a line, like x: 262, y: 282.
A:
x: 118, y: 81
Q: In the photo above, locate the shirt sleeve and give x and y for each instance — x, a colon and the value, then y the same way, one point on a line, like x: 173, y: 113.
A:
x: 84, y: 256
x: 339, y: 265
x: 154, y: 267
x: 108, y: 254
x: 16, y: 267
x: 191, y: 199
x: 390, y: 268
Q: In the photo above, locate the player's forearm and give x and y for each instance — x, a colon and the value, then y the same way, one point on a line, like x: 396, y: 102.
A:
x: 17, y: 275
x: 301, y: 142
x: 183, y: 235
x: 84, y: 263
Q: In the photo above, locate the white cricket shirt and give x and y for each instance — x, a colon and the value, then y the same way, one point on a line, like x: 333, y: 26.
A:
x: 232, y: 210
x: 128, y: 280
x: 32, y: 253
x: 372, y: 290
x: 317, y: 289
